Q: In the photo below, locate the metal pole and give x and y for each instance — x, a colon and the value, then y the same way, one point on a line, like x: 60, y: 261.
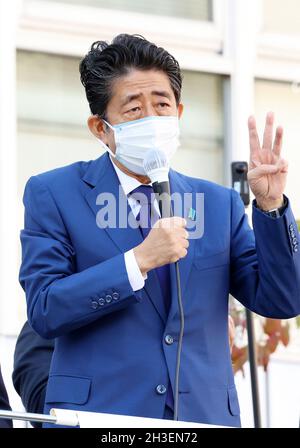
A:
x: 253, y: 369
x: 26, y: 416
x: 268, y: 409
x: 239, y: 179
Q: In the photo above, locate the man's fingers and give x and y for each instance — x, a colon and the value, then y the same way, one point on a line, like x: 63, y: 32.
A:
x: 262, y: 170
x: 253, y: 138
x: 268, y: 133
x: 283, y: 165
x: 178, y: 221
x: 256, y: 162
x: 278, y: 141
x: 175, y: 221
x: 186, y: 244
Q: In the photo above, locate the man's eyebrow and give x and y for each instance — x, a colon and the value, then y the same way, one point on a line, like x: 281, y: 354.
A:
x: 135, y: 96
x: 162, y: 93
x: 130, y: 98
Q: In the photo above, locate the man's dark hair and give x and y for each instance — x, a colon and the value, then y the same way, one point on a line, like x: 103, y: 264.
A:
x: 105, y: 62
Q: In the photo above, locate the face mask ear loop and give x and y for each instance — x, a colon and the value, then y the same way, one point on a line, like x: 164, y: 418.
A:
x: 104, y: 146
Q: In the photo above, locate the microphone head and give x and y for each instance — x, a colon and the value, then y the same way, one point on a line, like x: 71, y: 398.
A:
x: 156, y: 165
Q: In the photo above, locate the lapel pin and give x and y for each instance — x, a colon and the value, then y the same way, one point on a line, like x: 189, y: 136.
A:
x: 192, y: 214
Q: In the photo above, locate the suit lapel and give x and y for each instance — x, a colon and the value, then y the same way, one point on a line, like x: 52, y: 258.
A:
x: 155, y: 294
x: 107, y: 190
x: 102, y: 176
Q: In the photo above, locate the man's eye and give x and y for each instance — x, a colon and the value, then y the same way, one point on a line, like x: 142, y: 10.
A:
x: 134, y: 109
x: 163, y: 104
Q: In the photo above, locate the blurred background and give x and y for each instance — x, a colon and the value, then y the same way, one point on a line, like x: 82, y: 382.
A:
x: 237, y: 58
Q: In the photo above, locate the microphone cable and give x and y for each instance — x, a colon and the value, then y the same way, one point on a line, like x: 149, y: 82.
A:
x: 181, y: 328
x: 179, y: 348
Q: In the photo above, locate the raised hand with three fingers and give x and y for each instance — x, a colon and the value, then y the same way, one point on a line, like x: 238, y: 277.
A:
x: 267, y: 169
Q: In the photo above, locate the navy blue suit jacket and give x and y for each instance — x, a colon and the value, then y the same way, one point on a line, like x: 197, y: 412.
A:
x: 32, y: 360
x: 110, y: 352
x: 4, y: 404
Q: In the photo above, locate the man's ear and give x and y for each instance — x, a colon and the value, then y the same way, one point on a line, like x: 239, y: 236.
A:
x: 97, y: 127
x: 180, y: 109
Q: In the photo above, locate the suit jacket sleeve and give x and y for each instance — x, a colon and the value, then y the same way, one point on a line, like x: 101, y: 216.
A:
x: 59, y: 299
x: 265, y: 267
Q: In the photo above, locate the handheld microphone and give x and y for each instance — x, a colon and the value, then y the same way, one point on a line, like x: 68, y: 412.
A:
x: 157, y: 168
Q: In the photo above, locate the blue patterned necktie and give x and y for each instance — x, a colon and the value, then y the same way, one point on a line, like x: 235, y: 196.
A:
x: 147, y: 216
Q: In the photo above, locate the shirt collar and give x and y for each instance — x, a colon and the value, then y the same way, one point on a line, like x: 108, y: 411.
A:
x: 128, y: 183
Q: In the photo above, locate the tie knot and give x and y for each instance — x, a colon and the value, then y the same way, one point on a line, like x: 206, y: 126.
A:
x: 144, y: 194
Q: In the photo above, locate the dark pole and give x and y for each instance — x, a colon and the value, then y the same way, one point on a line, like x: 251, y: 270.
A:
x: 239, y: 183
x: 253, y: 369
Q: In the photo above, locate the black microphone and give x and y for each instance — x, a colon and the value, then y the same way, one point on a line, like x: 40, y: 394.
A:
x: 239, y: 180
x: 157, y: 168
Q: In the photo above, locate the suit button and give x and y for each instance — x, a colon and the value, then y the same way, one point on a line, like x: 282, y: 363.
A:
x: 115, y: 295
x: 169, y: 339
x: 295, y: 241
x: 161, y: 389
x: 108, y: 298
x: 94, y: 305
x: 101, y: 301
x: 296, y: 248
x: 291, y: 227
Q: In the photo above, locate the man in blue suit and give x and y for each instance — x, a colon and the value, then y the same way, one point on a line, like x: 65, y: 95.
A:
x: 106, y: 292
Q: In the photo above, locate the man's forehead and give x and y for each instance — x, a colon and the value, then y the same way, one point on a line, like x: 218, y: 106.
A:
x: 141, y: 83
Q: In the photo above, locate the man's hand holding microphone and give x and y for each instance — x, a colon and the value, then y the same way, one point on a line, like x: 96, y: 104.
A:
x: 166, y: 243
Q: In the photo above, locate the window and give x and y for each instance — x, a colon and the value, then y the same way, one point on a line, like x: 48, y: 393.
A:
x: 189, y: 9
x: 201, y: 151
x: 284, y: 100
x: 281, y: 17
x: 52, y: 114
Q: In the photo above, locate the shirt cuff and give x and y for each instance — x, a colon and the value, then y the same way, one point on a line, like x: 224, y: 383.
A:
x: 136, y: 279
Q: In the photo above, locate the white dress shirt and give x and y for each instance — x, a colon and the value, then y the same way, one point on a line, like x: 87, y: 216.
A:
x: 128, y: 183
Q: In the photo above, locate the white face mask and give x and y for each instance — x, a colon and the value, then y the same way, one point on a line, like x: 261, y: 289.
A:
x: 134, y: 138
